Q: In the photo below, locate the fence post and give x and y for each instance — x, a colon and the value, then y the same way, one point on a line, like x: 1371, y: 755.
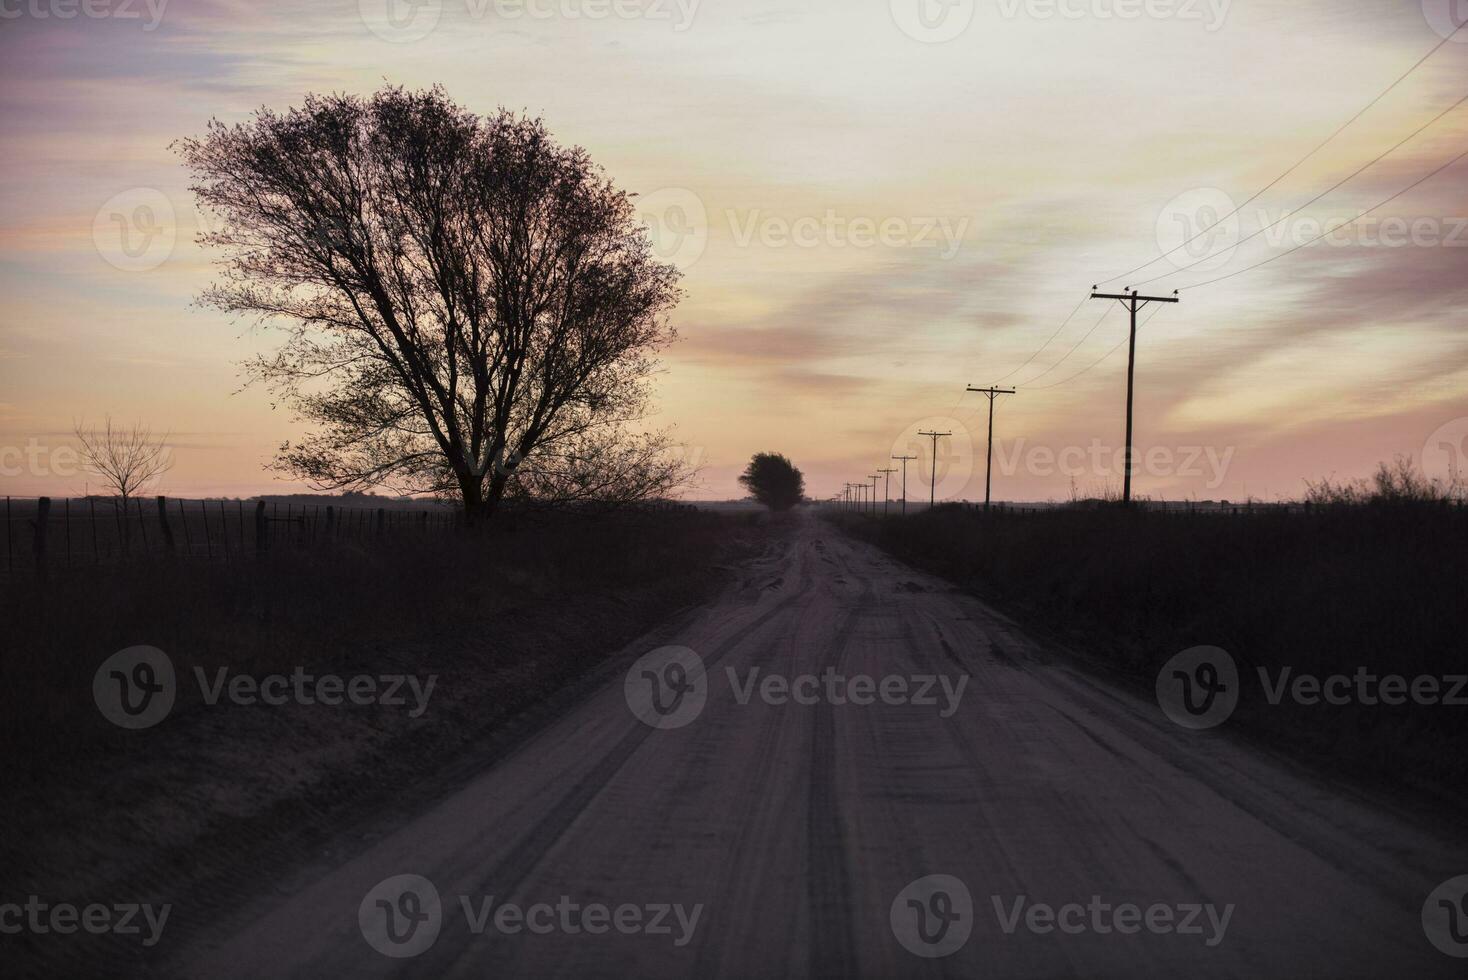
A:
x: 183, y: 518
x: 43, y: 517
x: 168, y: 544
x: 143, y: 525
x: 260, y: 542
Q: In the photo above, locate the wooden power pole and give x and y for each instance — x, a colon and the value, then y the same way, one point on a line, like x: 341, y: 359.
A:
x: 991, y: 392
x: 1133, y: 302
x: 933, y: 469
x: 904, y: 481
x: 886, y: 486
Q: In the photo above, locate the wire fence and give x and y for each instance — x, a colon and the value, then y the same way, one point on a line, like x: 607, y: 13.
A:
x: 45, y: 532
x: 1180, y: 508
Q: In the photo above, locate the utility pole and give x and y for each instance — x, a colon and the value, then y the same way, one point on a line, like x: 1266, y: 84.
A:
x: 991, y: 392
x: 1133, y: 303
x: 904, y: 481
x: 886, y: 486
x: 874, y: 480
x: 933, y: 469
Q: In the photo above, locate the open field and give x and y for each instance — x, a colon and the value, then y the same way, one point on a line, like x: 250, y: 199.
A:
x: 1322, y: 591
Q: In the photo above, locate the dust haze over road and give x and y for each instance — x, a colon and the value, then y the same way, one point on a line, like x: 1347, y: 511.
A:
x: 1077, y: 830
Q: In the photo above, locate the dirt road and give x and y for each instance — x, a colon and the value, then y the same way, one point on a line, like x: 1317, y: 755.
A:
x: 1078, y: 831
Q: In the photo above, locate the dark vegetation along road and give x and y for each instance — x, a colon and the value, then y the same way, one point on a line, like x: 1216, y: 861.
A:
x: 841, y: 766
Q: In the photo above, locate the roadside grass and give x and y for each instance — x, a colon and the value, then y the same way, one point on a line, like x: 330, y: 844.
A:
x: 1360, y: 579
x: 213, y: 795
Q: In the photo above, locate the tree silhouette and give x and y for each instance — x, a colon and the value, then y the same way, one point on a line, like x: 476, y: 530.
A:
x: 126, y: 460
x: 469, y: 309
x: 774, y: 481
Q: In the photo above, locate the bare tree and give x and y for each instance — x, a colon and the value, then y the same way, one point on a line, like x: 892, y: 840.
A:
x: 470, y: 309
x: 125, y: 460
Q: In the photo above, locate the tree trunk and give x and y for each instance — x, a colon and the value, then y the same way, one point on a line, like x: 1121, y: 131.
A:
x: 471, y: 492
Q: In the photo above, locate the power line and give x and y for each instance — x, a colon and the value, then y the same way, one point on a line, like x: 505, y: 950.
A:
x: 1317, y: 197
x: 1296, y: 165
x: 1119, y: 344
x: 1332, y: 231
x: 1042, y: 346
x: 1073, y: 348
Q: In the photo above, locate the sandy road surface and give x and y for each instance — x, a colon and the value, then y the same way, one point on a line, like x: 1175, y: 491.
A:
x: 792, y: 828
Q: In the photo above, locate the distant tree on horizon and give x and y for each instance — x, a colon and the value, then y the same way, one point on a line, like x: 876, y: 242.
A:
x: 469, y: 309
x: 126, y: 460
x: 774, y: 481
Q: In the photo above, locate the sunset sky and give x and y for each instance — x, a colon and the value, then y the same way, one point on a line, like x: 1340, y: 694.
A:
x: 868, y: 217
